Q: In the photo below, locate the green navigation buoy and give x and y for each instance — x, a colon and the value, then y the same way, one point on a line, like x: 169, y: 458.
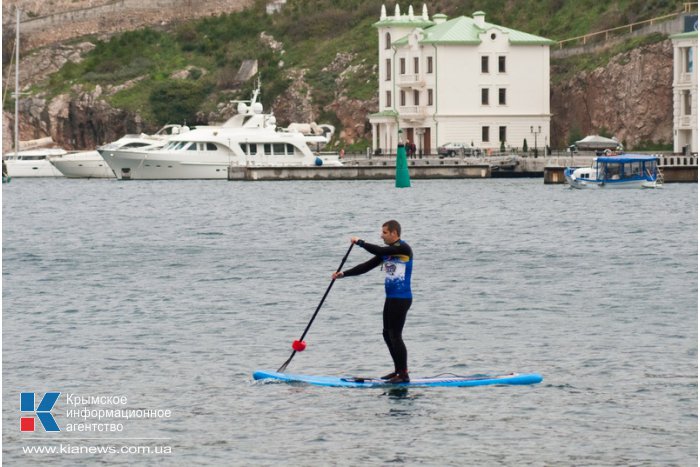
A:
x: 403, y: 179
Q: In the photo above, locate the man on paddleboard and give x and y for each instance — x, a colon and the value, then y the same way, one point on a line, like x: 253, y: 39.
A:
x: 397, y: 260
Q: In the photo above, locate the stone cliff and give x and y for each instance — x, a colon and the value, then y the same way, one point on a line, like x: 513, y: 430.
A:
x: 44, y: 23
x: 630, y: 98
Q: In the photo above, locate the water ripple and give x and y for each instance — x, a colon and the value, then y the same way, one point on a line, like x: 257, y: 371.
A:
x: 172, y: 293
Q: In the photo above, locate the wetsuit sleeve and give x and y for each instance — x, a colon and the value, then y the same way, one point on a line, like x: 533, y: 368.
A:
x: 390, y: 250
x: 364, y: 267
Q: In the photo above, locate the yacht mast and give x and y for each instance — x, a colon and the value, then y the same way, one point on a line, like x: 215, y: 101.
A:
x: 17, y: 86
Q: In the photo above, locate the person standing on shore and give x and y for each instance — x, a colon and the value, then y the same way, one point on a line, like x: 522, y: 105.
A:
x: 397, y: 260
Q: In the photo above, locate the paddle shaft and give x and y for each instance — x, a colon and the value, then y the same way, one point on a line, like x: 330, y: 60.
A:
x: 318, y: 308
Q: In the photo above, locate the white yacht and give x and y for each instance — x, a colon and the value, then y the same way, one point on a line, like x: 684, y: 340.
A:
x: 90, y: 164
x: 33, y: 163
x: 250, y: 138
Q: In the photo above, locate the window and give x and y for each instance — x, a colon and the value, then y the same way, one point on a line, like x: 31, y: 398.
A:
x: 290, y: 149
x: 501, y: 96
x: 387, y: 41
x: 430, y: 97
x: 484, y: 64
x: 485, y: 96
x: 501, y: 64
x: 402, y: 66
x: 415, y: 64
x: 687, y: 103
x: 388, y: 99
x: 416, y: 97
x: 689, y: 61
x: 211, y: 147
x: 192, y: 147
x: 402, y: 98
x: 388, y: 69
x: 485, y: 134
x: 430, y: 65
x: 268, y: 149
x: 502, y: 134
x: 248, y: 149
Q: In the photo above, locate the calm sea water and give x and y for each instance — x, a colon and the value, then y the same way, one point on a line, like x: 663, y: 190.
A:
x: 165, y: 296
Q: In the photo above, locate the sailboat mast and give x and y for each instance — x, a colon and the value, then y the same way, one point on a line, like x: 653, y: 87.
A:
x: 17, y: 86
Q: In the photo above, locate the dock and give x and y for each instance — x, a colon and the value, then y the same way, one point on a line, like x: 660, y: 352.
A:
x: 675, y: 168
x: 367, y: 169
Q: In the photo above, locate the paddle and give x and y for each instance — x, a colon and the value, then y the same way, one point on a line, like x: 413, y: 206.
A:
x: 299, y: 345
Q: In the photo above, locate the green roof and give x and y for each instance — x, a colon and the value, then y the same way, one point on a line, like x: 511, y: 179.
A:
x: 685, y: 35
x: 464, y: 31
x: 405, y: 22
x: 386, y: 113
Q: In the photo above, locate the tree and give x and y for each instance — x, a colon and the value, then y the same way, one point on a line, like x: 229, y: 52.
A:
x: 524, y: 144
x: 177, y: 101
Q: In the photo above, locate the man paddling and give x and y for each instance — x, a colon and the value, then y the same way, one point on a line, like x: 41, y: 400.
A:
x: 397, y: 261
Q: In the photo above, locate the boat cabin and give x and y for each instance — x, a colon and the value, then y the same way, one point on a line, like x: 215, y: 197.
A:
x: 627, y: 167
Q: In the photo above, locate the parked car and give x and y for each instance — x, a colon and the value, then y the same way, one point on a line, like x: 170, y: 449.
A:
x: 453, y: 149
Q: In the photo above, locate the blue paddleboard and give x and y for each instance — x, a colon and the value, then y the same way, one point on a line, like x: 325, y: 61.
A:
x: 353, y: 382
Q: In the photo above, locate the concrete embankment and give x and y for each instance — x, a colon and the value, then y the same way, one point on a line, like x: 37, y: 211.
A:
x: 364, y: 170
x: 674, y: 168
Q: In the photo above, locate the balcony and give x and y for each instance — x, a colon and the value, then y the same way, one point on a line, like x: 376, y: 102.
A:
x: 685, y: 78
x: 412, y: 81
x: 413, y: 113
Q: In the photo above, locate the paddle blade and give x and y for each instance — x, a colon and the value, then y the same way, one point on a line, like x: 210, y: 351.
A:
x: 284, y: 365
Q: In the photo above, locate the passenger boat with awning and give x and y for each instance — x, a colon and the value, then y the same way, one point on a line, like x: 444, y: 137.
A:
x: 622, y: 171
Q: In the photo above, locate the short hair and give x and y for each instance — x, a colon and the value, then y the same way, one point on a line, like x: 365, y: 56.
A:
x: 393, y: 226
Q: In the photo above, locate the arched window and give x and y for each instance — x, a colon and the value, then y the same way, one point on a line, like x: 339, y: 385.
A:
x: 387, y: 41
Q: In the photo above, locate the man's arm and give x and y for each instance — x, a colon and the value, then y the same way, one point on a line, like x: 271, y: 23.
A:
x: 363, y: 268
x: 390, y: 250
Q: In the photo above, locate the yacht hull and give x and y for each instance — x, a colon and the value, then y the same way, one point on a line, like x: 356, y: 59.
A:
x: 83, y: 165
x: 132, y: 165
x: 37, y: 168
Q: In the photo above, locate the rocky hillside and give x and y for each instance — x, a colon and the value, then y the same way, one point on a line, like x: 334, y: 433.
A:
x: 50, y: 22
x: 628, y: 96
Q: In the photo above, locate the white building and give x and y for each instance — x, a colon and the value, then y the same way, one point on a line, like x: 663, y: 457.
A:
x: 685, y: 92
x: 462, y: 80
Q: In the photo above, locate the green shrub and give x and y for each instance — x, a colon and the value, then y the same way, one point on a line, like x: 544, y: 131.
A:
x: 177, y: 101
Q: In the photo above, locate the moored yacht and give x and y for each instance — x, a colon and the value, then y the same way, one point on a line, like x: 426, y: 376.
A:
x: 90, y: 164
x: 33, y: 163
x: 249, y: 138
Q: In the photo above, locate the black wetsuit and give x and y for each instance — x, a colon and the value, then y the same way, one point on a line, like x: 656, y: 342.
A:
x: 398, y: 265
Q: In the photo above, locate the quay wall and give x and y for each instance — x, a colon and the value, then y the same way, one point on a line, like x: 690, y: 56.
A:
x: 357, y: 172
x: 675, y: 168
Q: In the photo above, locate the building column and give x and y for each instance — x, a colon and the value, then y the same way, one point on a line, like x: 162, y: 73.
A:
x: 374, y: 136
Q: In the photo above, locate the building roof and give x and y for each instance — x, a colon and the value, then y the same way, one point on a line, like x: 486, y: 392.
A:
x: 385, y: 113
x: 464, y: 31
x: 406, y: 20
x: 685, y: 35
x: 403, y: 22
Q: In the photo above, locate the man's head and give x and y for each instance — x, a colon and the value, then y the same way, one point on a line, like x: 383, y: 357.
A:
x: 391, y: 232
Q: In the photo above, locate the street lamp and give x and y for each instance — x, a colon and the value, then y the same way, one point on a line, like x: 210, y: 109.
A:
x: 535, y: 131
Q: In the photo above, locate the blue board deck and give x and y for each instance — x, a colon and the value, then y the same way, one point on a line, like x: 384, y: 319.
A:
x: 352, y: 382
